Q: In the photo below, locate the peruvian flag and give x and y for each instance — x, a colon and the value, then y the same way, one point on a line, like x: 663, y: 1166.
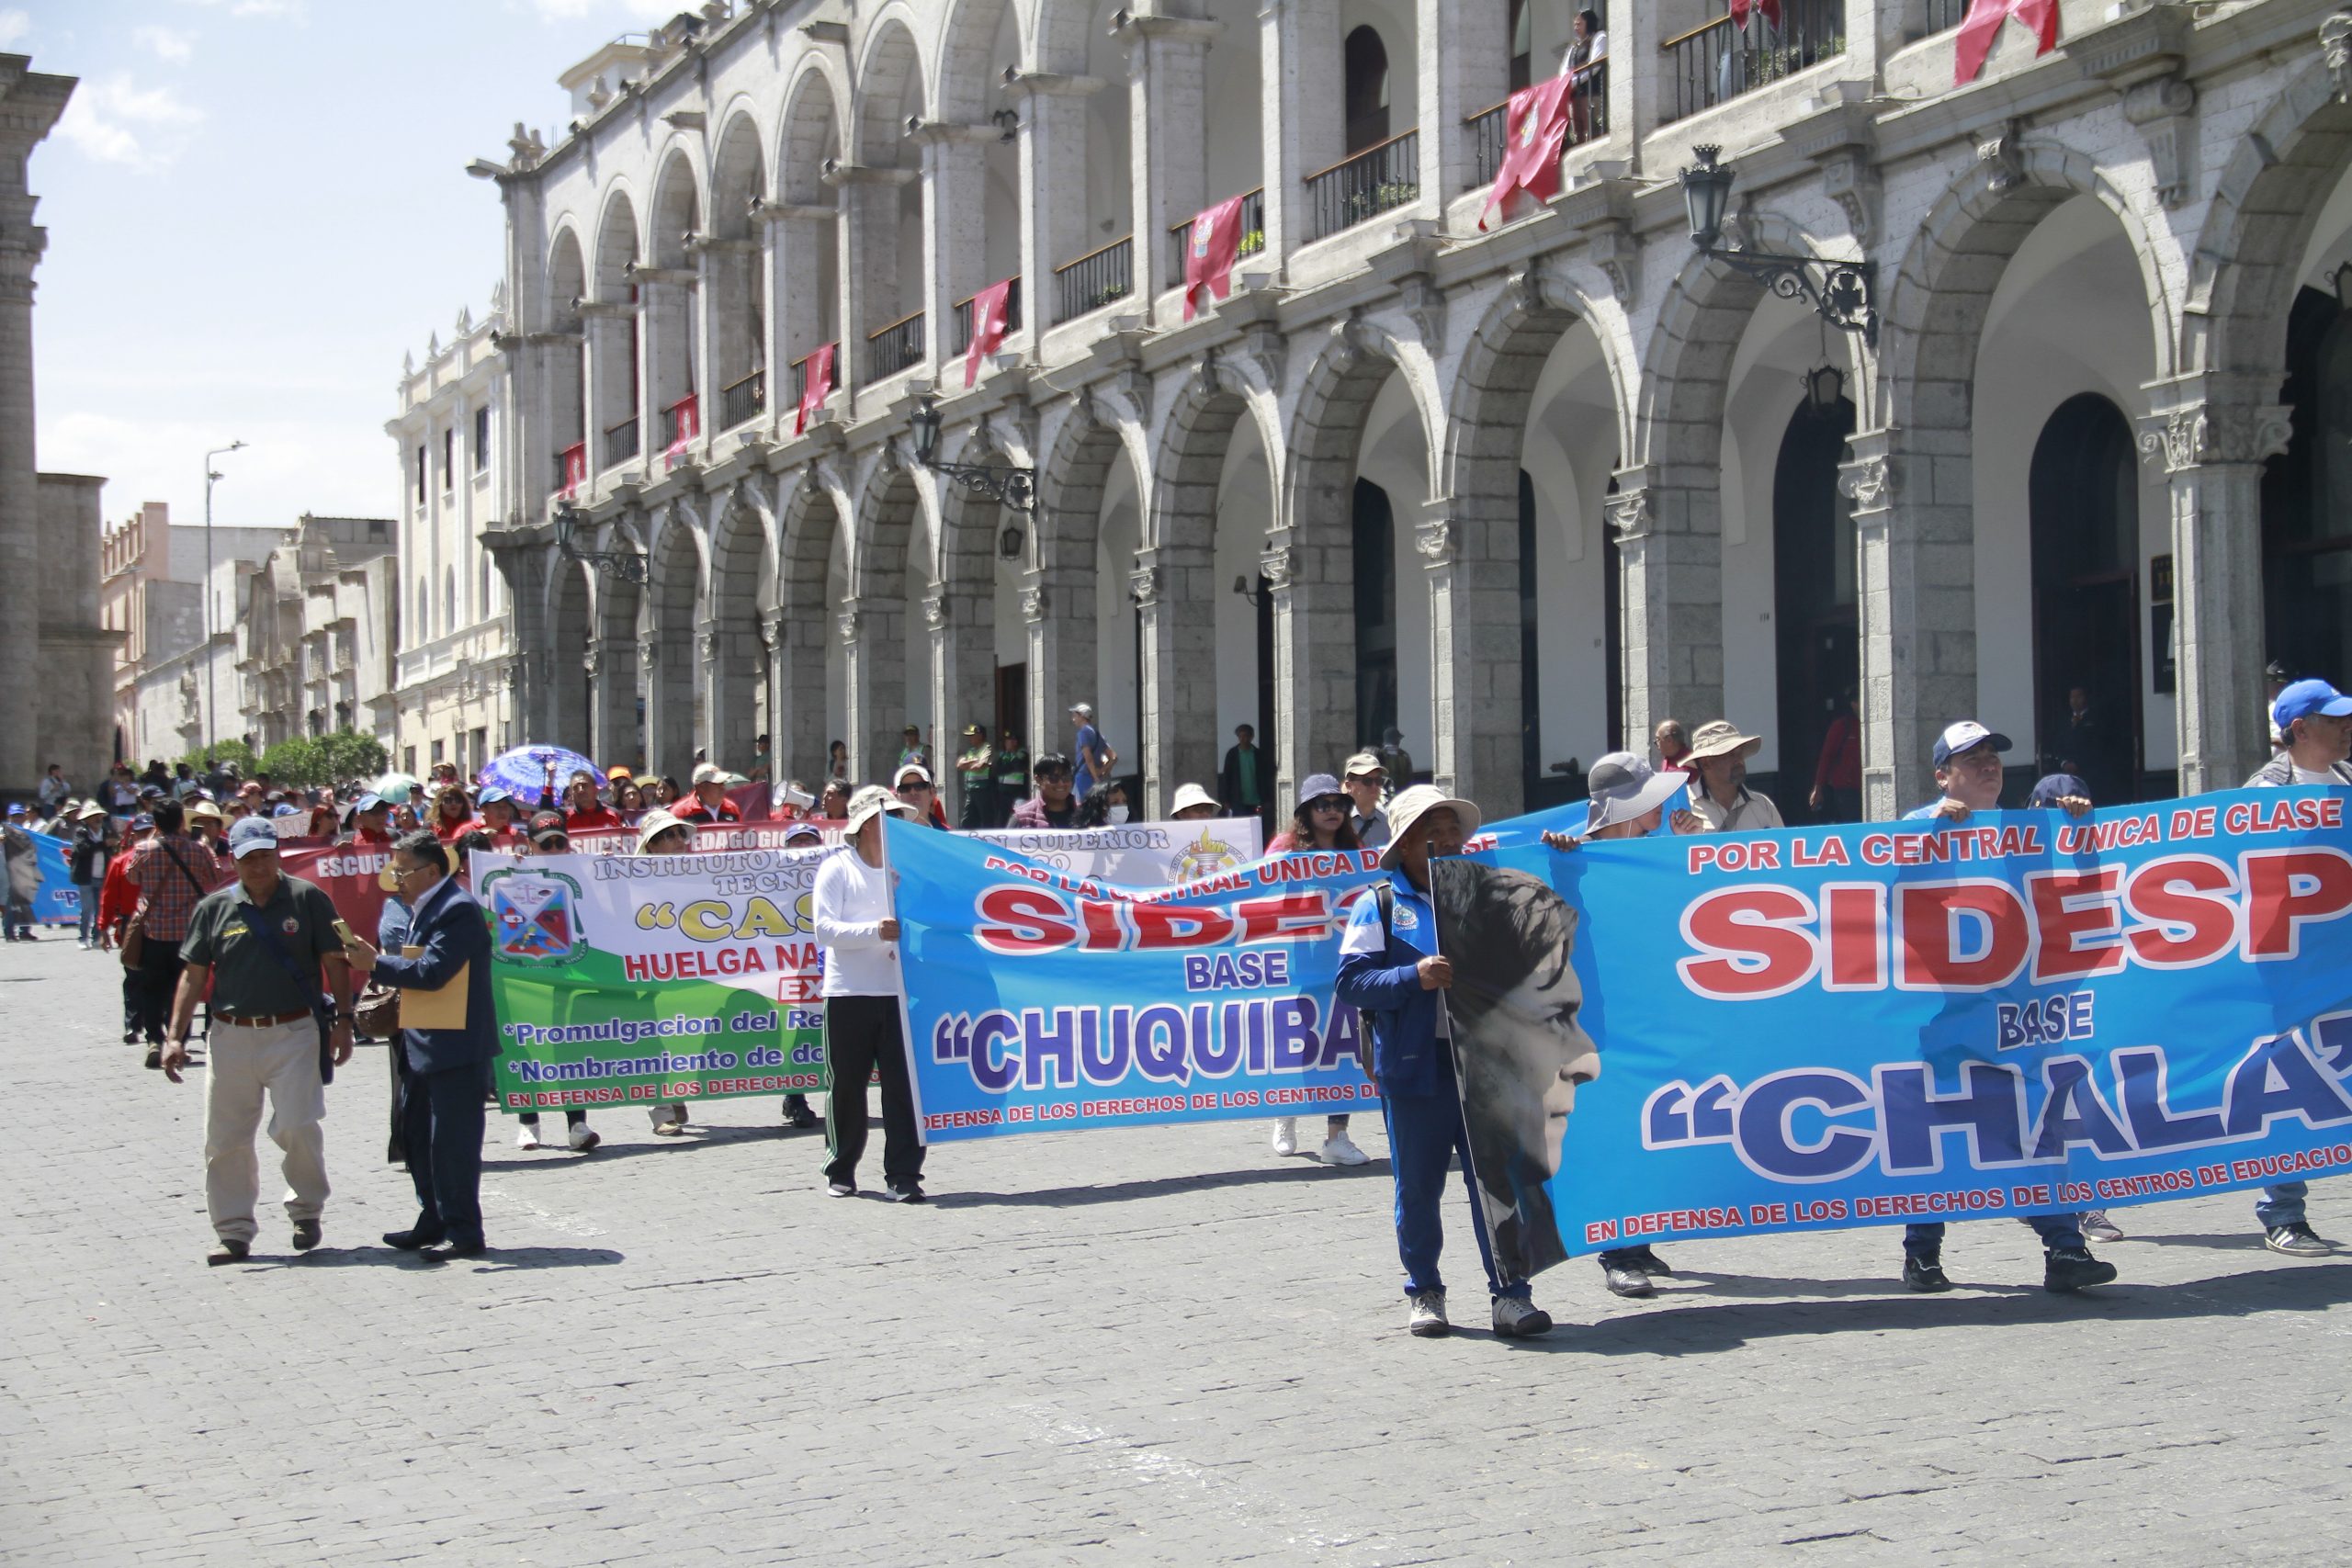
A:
x: 991, y: 309
x: 687, y: 409
x: 1769, y: 9
x: 1538, y: 123
x: 1208, y: 260
x: 819, y: 387
x: 1985, y: 19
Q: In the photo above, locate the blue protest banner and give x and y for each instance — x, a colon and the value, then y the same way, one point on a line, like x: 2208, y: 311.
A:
x: 1039, y: 1001
x: 59, y: 902
x: 2023, y: 1013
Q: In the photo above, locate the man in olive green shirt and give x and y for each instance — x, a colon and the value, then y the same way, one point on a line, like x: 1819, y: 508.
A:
x: 264, y: 1036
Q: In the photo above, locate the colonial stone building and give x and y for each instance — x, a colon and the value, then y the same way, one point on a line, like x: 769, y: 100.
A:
x: 316, y: 625
x: 450, y: 689
x: 1519, y: 489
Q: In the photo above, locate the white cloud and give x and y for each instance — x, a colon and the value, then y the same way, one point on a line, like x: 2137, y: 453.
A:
x: 115, y: 121
x: 14, y: 26
x: 163, y: 43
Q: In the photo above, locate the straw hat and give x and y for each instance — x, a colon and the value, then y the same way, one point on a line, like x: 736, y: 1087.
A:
x: 1411, y: 806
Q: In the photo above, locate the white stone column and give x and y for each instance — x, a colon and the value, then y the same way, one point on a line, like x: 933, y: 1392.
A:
x: 1315, y: 692
x: 963, y: 676
x: 2213, y: 451
x: 873, y: 632
x: 1058, y: 604
x: 799, y: 322
x: 1472, y: 564
x: 33, y: 104
x: 1053, y: 164
x: 612, y: 673
x: 1176, y: 589
x: 1305, y: 92
x: 1464, y: 67
x: 1168, y: 62
x: 955, y: 223
x: 1915, y: 576
x: 1669, y: 547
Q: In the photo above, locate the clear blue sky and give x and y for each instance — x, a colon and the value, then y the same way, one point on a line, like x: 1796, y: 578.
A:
x: 254, y: 207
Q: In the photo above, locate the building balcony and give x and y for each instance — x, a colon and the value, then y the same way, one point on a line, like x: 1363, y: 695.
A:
x: 1721, y: 60
x: 745, y: 400
x: 962, y: 342
x: 571, y: 469
x: 681, y: 422
x: 895, y: 348
x: 1253, y: 234
x: 799, y: 368
x: 622, y: 442
x: 1943, y: 14
x: 1588, y: 121
x: 1382, y: 178
x: 1094, y: 279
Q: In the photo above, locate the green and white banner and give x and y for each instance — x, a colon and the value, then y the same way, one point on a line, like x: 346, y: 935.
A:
x: 624, y: 979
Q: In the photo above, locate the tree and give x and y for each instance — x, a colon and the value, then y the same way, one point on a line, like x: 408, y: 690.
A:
x: 300, y: 761
x: 351, y: 755
x: 235, y: 753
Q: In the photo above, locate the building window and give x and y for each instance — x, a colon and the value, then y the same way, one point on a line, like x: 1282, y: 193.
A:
x: 419, y: 475
x: 439, y: 748
x: 449, y: 456
x: 482, y: 438
x: 1365, y: 62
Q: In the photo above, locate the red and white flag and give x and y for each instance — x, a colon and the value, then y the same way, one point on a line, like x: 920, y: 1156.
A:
x: 1975, y: 40
x: 819, y: 387
x: 575, y: 469
x: 1538, y: 124
x: 991, y: 312
x: 687, y: 409
x: 1739, y: 9
x: 1208, y: 260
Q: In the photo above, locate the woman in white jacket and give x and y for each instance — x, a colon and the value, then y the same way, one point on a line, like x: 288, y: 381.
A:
x: 862, y: 990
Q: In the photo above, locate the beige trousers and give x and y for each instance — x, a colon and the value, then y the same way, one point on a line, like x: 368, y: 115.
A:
x: 281, y: 1060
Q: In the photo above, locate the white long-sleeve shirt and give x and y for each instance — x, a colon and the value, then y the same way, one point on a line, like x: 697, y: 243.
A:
x: 851, y: 900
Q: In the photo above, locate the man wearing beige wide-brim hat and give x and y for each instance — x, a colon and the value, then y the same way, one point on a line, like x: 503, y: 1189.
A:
x: 1719, y: 754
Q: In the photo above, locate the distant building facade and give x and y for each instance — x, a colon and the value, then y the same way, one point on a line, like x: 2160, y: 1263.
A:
x: 151, y: 592
x: 317, y: 622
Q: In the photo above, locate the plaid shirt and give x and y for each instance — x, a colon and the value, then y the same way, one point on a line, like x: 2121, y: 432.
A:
x: 166, y: 897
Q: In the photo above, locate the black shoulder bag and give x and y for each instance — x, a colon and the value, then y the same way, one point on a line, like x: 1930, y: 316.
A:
x: 321, y: 1006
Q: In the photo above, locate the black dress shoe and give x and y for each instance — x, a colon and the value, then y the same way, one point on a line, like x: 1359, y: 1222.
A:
x: 1648, y: 1262
x: 306, y: 1235
x: 443, y: 1252
x: 2066, y: 1268
x: 1623, y: 1279
x: 1925, y: 1274
x: 410, y: 1240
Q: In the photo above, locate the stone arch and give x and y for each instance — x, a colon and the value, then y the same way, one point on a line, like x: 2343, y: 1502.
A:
x: 729, y: 639
x: 665, y: 306
x: 570, y: 606
x: 617, y: 242
x: 1312, y: 564
x: 809, y: 538
x: 611, y: 337
x: 893, y: 56
x: 567, y: 285
x: 810, y: 132
x: 967, y: 76
x: 738, y: 303
x: 1480, y: 752
x: 614, y: 609
x: 804, y: 249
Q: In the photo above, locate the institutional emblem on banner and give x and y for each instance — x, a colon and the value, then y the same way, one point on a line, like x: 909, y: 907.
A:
x: 533, y: 916
x: 1204, y: 856
x: 1204, y: 231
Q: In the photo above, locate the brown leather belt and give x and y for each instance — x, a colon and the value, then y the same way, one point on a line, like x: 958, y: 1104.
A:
x: 269, y: 1022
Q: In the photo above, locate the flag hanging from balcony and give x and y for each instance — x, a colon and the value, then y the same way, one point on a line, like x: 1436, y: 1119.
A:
x: 818, y: 372
x: 991, y: 314
x: 1770, y: 10
x: 1537, y: 125
x: 575, y: 469
x: 1975, y: 40
x: 685, y: 424
x: 1208, y: 260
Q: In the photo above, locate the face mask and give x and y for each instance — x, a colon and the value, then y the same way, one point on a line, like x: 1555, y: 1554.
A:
x: 1118, y: 816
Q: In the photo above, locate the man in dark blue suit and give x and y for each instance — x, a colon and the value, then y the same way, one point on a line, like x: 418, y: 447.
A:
x: 441, y: 1118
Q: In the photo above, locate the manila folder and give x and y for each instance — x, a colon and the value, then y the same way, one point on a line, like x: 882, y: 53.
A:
x: 441, y: 1009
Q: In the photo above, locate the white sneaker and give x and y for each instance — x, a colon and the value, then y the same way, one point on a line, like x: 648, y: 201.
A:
x: 1341, y: 1149
x: 526, y: 1137
x: 584, y: 1137
x: 1516, y: 1317
x: 1286, y: 1136
x: 1427, y: 1319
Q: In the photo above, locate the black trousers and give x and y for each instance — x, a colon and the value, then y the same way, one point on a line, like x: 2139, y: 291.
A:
x: 861, y: 1035
x: 159, y: 978
x: 441, y: 1127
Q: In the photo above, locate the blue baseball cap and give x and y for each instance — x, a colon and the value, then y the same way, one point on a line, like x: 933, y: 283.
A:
x: 1966, y: 736
x: 2305, y: 698
x: 141, y: 822
x: 251, y: 834
x: 369, y: 803
x: 2051, y: 788
x: 15, y: 808
x: 493, y: 795
x: 286, y: 809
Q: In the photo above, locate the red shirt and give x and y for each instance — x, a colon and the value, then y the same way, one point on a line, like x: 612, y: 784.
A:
x: 449, y: 832
x: 601, y: 817
x: 727, y: 812
x: 118, y: 899
x: 1839, y: 765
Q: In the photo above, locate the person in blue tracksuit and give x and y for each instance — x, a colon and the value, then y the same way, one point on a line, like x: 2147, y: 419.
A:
x: 1390, y: 968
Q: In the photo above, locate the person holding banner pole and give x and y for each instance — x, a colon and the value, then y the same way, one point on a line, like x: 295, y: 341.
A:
x: 852, y: 913
x: 2314, y: 721
x: 1319, y: 822
x: 1968, y: 770
x: 1390, y: 968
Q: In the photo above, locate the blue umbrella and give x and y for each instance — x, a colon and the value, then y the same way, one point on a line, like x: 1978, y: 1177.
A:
x: 523, y: 771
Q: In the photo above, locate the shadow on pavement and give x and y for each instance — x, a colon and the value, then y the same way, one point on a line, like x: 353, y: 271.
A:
x: 497, y: 1261
x: 1706, y: 1329
x: 1160, y: 1187
x: 557, y: 1157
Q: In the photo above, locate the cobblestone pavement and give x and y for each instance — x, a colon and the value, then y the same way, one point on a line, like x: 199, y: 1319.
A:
x: 1159, y: 1347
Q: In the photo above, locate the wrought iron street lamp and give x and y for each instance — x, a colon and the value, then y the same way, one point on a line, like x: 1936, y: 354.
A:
x: 622, y: 565
x: 1840, y: 295
x: 1016, y: 488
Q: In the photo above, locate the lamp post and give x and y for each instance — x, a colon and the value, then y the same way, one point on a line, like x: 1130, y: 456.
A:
x: 1015, y: 486
x: 1841, y: 295
x: 211, y: 728
x: 624, y: 566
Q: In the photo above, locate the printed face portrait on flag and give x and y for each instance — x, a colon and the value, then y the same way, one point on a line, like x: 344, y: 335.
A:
x: 1216, y: 245
x: 1520, y: 1048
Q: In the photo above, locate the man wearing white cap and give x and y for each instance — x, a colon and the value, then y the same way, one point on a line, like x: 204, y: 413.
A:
x: 1719, y: 754
x: 1629, y: 800
x: 710, y: 806
x: 1191, y: 804
x: 1968, y: 772
x: 2313, y: 721
x: 1389, y: 967
x: 1363, y: 778
x: 852, y: 913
